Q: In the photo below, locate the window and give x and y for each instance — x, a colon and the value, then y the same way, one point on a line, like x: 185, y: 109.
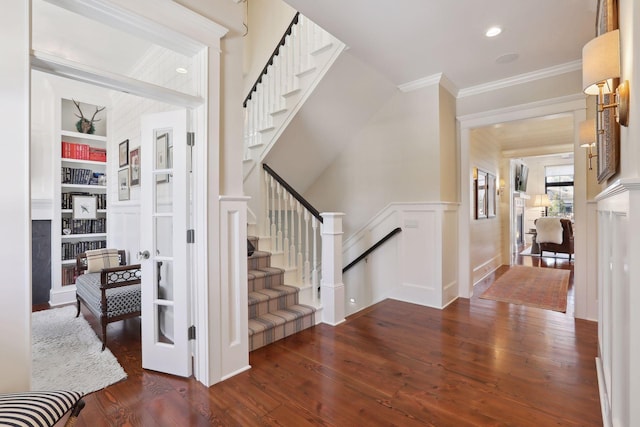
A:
x: 558, y: 185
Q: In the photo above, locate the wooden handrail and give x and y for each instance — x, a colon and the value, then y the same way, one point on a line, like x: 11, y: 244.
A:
x: 281, y: 43
x: 293, y: 192
x: 372, y: 248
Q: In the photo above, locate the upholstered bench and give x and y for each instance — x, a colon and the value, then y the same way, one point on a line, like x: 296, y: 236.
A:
x: 109, y: 288
x: 39, y: 408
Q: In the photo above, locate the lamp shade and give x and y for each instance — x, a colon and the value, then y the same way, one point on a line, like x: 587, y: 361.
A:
x: 587, y: 130
x: 601, y: 62
x: 540, y: 201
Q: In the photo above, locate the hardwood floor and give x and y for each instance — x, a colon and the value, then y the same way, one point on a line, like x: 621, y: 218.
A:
x: 476, y: 363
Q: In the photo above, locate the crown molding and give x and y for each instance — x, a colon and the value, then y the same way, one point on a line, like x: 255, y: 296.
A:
x: 522, y: 78
x: 439, y: 78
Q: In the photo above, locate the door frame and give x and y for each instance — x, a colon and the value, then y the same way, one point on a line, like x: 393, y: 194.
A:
x: 585, y: 286
x: 175, y: 27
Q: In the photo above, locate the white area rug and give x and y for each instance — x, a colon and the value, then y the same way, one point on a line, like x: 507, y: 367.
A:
x: 547, y: 254
x: 66, y: 354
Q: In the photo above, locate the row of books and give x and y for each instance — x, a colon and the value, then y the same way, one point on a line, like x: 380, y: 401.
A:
x: 71, y: 249
x: 84, y: 226
x: 81, y: 176
x: 68, y: 275
x: 67, y: 200
x: 71, y: 150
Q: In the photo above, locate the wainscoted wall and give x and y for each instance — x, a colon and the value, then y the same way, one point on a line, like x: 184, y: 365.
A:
x: 618, y: 277
x: 233, y: 285
x: 419, y: 265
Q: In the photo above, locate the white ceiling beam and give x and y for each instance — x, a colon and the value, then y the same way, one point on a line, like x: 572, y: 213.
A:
x: 70, y: 69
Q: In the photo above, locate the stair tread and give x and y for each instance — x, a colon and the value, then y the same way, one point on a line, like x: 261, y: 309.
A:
x: 264, y: 271
x: 271, y: 293
x: 279, y: 317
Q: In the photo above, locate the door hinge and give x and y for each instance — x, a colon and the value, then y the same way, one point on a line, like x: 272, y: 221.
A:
x: 192, y: 332
x: 191, y: 236
x: 191, y: 139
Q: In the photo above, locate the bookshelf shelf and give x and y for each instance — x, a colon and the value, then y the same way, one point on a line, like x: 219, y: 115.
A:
x: 81, y: 162
x: 82, y: 236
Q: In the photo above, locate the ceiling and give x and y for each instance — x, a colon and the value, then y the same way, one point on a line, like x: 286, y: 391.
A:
x: 407, y: 40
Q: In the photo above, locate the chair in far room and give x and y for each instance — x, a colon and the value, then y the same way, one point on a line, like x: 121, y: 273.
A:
x: 554, y: 235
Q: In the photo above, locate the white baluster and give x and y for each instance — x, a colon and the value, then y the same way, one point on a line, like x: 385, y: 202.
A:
x: 267, y: 221
x: 279, y: 237
x: 292, y: 249
x: 273, y: 229
x: 314, y: 274
x: 285, y: 242
x: 299, y: 254
x: 307, y: 267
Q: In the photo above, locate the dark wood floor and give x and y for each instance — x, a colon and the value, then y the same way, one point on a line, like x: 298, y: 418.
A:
x: 476, y: 363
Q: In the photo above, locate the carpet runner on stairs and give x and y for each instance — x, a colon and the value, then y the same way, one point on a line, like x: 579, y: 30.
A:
x: 274, y: 311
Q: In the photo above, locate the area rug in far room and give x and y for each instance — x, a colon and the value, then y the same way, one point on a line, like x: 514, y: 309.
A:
x: 531, y: 286
x: 66, y: 354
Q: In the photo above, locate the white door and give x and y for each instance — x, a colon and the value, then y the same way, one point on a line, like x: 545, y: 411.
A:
x: 164, y: 255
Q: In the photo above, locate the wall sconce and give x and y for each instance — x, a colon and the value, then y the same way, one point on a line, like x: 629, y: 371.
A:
x: 587, y: 138
x: 501, y: 187
x: 541, y: 201
x: 600, y: 65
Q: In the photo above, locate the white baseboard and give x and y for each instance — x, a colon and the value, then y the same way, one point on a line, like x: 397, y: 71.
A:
x: 604, y: 399
x: 66, y: 295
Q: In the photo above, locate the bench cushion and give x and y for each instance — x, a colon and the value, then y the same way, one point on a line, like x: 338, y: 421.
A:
x: 123, y: 300
x: 36, y: 408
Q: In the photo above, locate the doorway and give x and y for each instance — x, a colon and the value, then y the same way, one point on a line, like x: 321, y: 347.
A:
x: 147, y: 85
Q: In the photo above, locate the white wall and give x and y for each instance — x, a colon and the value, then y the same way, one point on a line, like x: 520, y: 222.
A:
x: 15, y: 253
x: 486, y: 234
x: 394, y: 158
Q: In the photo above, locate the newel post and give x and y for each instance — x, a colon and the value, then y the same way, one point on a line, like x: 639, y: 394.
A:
x: 332, y: 289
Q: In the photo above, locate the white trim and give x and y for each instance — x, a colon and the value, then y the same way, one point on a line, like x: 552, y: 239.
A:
x: 562, y: 104
x: 41, y: 209
x: 61, y: 296
x: 521, y: 78
x: 604, y: 407
x: 148, y: 21
x: 618, y: 187
x: 420, y: 83
x: 63, y: 67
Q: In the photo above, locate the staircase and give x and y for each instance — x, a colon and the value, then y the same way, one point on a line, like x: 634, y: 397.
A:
x: 274, y: 311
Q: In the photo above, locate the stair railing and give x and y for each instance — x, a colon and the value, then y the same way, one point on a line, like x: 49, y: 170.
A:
x: 372, y: 248
x: 292, y: 59
x: 292, y: 225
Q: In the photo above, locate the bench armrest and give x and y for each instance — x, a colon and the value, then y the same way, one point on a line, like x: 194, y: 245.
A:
x: 123, y: 275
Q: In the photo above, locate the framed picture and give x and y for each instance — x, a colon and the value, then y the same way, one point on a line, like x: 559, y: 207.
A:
x: 123, y: 184
x: 608, y: 141
x: 134, y: 158
x: 124, y: 153
x: 84, y: 207
x: 485, y: 194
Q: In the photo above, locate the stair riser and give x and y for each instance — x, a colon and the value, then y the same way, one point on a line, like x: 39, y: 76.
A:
x: 265, y: 282
x: 264, y: 307
x: 279, y: 332
x: 257, y: 262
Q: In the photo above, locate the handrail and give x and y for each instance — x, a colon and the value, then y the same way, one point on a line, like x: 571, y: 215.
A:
x: 281, y: 43
x: 293, y: 192
x: 372, y: 248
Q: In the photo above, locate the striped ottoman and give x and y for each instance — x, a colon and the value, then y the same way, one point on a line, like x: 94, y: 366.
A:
x: 39, y: 408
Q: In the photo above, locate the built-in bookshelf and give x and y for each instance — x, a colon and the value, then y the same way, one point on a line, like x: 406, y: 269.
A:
x: 80, y: 218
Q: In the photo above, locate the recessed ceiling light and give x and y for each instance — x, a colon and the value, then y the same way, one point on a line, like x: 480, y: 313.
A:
x: 493, y: 31
x: 181, y: 70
